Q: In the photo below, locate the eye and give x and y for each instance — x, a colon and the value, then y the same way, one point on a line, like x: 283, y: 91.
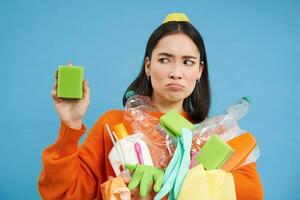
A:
x: 188, y: 62
x: 163, y: 60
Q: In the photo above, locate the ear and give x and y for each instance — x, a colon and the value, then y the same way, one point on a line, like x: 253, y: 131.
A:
x: 201, y: 66
x: 147, y: 66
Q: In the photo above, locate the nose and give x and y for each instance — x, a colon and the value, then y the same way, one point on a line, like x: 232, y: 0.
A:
x: 175, y: 73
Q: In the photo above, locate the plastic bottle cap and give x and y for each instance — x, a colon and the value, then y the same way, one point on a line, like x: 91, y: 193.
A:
x: 247, y: 99
x: 129, y: 94
x: 120, y: 131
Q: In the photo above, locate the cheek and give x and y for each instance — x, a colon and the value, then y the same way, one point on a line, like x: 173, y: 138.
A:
x: 191, y: 86
x: 158, y: 76
x: 157, y: 83
x: 191, y: 81
x: 193, y: 74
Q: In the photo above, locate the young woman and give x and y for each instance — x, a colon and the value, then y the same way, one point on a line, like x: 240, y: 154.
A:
x: 175, y: 76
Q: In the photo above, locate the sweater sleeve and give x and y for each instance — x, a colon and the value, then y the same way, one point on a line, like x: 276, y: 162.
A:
x: 70, y: 171
x: 248, y: 185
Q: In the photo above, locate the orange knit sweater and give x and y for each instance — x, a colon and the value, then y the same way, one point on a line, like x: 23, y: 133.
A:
x: 73, y: 172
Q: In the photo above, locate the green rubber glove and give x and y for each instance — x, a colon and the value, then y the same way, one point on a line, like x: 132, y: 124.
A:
x: 143, y: 175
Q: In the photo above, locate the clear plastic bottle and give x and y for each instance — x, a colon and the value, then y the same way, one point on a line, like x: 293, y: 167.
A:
x: 226, y: 125
x: 239, y: 109
x: 135, y: 101
x: 160, y: 144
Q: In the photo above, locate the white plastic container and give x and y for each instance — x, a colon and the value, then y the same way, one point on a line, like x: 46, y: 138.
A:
x: 128, y: 152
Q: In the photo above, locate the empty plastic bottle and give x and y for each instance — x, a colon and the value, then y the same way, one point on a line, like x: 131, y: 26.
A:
x: 160, y: 144
x: 239, y: 109
x: 137, y: 101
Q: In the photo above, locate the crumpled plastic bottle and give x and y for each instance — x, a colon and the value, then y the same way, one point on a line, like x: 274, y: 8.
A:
x: 225, y: 125
x: 239, y: 109
x: 161, y: 145
x: 137, y: 108
x: 137, y: 101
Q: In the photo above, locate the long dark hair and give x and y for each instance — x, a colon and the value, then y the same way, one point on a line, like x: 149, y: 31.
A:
x: 196, y: 105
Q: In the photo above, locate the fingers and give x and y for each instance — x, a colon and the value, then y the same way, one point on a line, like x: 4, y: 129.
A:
x: 126, y: 176
x: 54, y: 94
x: 126, y: 179
x: 145, y: 184
x: 158, y: 182
x: 56, y: 75
x: 54, y: 89
x: 130, y: 166
x: 136, y: 178
x: 86, y: 90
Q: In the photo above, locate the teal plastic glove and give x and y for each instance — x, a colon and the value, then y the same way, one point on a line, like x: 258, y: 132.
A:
x: 177, y: 168
x: 143, y: 175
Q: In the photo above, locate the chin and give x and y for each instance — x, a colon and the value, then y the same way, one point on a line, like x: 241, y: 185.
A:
x: 170, y: 96
x: 175, y: 98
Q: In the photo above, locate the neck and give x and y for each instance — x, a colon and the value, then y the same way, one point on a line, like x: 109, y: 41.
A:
x: 166, y: 106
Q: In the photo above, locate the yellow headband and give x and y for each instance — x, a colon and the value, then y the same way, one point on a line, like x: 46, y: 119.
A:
x: 178, y: 17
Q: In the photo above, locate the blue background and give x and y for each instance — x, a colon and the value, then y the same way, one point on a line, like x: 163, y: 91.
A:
x: 252, y: 47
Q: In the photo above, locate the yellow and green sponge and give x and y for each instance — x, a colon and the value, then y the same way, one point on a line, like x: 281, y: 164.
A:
x: 69, y: 83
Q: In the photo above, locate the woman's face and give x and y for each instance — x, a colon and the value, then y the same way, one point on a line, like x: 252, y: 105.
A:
x: 174, y: 67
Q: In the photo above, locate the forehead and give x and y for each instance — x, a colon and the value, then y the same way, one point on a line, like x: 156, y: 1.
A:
x: 177, y: 44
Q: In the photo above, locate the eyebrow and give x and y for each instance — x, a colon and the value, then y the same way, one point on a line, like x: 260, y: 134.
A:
x: 172, y: 56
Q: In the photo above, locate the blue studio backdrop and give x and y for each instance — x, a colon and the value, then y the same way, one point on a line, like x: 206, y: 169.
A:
x: 252, y: 47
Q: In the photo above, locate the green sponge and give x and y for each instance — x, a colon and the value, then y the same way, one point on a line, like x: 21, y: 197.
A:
x: 69, y: 83
x: 174, y: 122
x: 214, y: 153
